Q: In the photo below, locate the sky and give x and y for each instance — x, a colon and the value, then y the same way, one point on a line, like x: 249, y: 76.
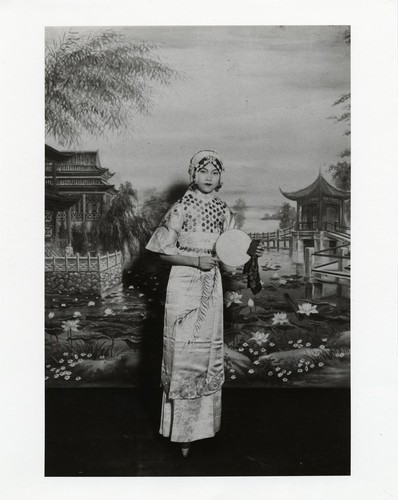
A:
x: 258, y: 95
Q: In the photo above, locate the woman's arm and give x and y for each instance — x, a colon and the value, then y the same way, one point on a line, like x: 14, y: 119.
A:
x: 204, y: 263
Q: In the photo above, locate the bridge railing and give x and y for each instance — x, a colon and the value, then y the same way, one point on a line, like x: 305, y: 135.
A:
x: 78, y: 263
x: 334, y: 271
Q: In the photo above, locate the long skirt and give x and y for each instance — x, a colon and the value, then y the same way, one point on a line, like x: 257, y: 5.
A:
x: 193, y: 357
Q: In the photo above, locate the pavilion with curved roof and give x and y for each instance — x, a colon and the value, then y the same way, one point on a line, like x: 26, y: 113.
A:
x: 320, y: 206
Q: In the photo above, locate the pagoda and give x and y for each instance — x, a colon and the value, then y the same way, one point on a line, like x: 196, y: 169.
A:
x: 77, y: 189
x: 320, y: 206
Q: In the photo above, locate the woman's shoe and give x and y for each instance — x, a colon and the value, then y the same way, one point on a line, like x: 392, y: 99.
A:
x: 185, y: 449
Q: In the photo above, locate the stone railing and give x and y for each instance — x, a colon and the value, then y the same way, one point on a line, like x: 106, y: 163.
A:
x: 78, y: 274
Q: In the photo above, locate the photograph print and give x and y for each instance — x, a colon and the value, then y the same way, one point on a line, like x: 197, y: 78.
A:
x: 197, y: 250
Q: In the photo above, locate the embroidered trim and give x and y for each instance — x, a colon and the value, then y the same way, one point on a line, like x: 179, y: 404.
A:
x: 197, y: 250
x: 192, y: 388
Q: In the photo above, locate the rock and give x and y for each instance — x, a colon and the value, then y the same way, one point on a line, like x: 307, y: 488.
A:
x: 343, y: 340
x: 239, y: 361
x: 293, y: 356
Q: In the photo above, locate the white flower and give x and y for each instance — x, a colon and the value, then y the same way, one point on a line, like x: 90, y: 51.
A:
x: 67, y: 377
x: 277, y: 368
x: 307, y: 362
x: 124, y: 308
x: 322, y: 346
x: 284, y: 379
x: 48, y: 366
x: 263, y: 350
x: 302, y: 360
x: 232, y: 298
x: 256, y: 362
x: 46, y: 377
x: 280, y: 319
x: 51, y: 315
x: 76, y: 300
x: 102, y: 357
x: 82, y: 354
x: 78, y: 378
x: 109, y: 312
x: 62, y: 373
x: 141, y: 294
x: 255, y: 353
x: 240, y: 349
x: 77, y: 314
x: 89, y: 355
x: 324, y: 339
x: 260, y: 337
x: 61, y: 361
x: 76, y: 356
x: 63, y: 305
x: 275, y: 275
x: 282, y: 282
x: 270, y: 374
x: 245, y: 344
x: 280, y: 374
x: 233, y: 377
x: 307, y: 309
x: 300, y: 365
x: 52, y: 370
x: 289, y: 372
x: 308, y: 344
x: 321, y: 364
x: 299, y: 370
x: 70, y: 361
x: 290, y: 341
x: 131, y: 287
x: 295, y: 345
x: 232, y: 370
x: 299, y: 341
x: 65, y: 354
x: 72, y: 364
x: 250, y: 350
x: 312, y: 366
x: 250, y: 303
x: 56, y: 375
x: 91, y: 303
x: 70, y: 325
x: 251, y: 371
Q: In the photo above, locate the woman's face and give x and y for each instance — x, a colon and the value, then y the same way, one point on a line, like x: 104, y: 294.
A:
x: 207, y: 178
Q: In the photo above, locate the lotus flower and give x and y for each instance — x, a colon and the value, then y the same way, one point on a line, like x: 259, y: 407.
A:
x: 280, y: 319
x: 250, y: 303
x: 91, y: 303
x: 109, y: 312
x: 260, y: 337
x: 77, y: 314
x: 307, y: 309
x: 70, y: 325
x: 232, y: 298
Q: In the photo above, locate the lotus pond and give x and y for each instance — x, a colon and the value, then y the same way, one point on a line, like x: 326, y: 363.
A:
x: 276, y: 338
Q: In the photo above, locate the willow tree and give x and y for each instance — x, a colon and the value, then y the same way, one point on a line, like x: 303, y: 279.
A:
x: 122, y: 226
x: 96, y: 84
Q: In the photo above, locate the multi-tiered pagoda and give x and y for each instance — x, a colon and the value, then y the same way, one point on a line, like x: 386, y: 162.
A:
x: 77, y: 189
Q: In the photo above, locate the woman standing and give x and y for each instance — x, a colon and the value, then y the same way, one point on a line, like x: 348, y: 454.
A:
x: 193, y: 359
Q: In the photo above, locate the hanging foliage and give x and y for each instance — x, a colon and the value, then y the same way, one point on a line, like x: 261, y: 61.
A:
x: 98, y: 83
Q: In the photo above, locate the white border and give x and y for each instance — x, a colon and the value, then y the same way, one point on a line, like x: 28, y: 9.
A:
x: 374, y: 147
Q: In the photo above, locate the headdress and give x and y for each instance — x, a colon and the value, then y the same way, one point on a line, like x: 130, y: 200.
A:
x: 203, y: 158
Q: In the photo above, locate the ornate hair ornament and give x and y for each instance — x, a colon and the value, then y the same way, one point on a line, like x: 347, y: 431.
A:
x: 202, y: 159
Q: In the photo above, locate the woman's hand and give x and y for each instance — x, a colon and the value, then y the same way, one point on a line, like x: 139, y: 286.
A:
x: 260, y: 250
x: 207, y: 262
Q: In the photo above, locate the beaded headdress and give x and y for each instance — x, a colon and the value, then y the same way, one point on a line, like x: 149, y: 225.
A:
x: 203, y: 158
